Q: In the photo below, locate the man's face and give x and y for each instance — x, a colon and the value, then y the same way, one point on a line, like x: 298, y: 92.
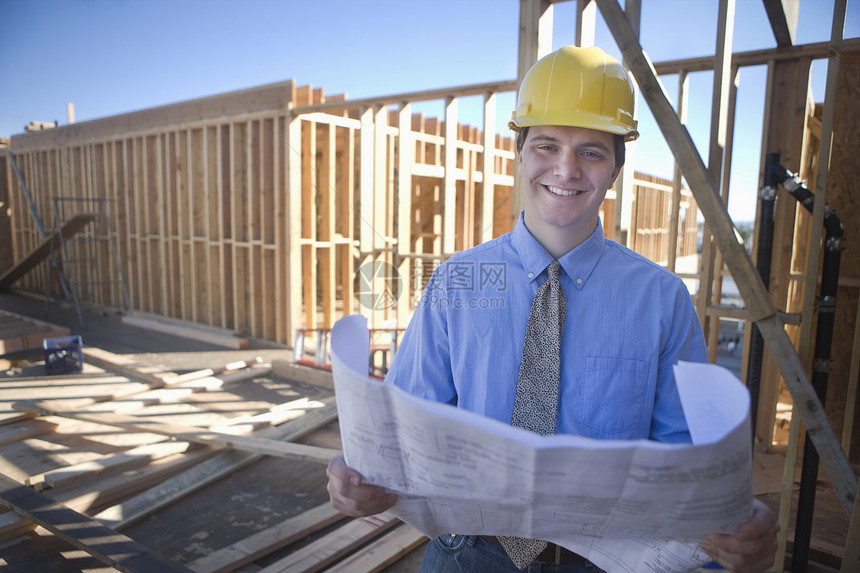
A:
x: 565, y: 172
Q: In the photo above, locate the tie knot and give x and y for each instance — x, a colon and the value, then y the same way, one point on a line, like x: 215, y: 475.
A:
x: 552, y: 269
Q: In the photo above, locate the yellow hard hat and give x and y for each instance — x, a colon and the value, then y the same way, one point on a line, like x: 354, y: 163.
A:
x: 580, y: 87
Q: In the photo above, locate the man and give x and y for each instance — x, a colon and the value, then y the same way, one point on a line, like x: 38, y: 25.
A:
x: 622, y: 321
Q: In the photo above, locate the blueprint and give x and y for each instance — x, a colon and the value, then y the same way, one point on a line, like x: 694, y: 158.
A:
x: 627, y: 506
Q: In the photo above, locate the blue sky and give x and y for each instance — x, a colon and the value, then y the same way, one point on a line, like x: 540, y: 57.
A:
x: 115, y: 56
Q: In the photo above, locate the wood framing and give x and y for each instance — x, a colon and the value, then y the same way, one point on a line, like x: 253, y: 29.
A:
x: 746, y: 277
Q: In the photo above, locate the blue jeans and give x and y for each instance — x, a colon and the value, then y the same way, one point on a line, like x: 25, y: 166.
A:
x: 472, y: 554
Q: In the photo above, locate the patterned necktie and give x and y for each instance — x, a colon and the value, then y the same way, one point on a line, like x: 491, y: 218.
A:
x: 536, y: 403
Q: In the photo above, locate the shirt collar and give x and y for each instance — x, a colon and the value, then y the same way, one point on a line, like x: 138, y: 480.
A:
x: 578, y: 263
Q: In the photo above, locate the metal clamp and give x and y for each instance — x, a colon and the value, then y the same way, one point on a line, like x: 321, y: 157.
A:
x: 826, y: 304
x: 793, y: 183
x: 822, y: 365
x: 835, y: 244
x: 768, y: 193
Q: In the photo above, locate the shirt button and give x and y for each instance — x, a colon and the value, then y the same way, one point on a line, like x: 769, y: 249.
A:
x: 531, y: 275
x: 579, y: 281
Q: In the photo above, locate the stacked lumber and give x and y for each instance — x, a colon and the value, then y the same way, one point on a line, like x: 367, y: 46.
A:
x: 177, y: 463
x: 20, y: 333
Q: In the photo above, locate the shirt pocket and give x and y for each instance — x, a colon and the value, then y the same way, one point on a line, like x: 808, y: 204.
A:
x: 609, y: 399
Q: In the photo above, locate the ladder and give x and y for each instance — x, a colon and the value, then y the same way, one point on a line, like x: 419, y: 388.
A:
x: 87, y: 263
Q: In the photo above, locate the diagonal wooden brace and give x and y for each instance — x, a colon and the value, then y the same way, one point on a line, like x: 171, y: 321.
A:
x: 749, y: 284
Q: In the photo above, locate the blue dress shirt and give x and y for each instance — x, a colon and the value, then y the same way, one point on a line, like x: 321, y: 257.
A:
x: 628, y: 321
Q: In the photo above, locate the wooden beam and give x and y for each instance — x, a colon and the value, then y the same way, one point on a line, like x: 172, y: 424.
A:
x: 101, y: 542
x: 293, y: 211
x: 259, y: 99
x: 382, y: 553
x: 710, y: 275
x: 586, y: 18
x: 818, y: 50
x: 741, y: 266
x: 267, y: 541
x: 188, y: 433
x: 45, y: 248
x: 672, y: 255
x: 535, y: 41
x: 623, y: 224
x: 488, y: 200
x: 449, y: 183
x: 328, y: 549
x: 405, y: 216
x: 397, y: 99
x: 783, y: 20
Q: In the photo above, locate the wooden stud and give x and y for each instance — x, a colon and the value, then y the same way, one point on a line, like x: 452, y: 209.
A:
x: 683, y: 99
x: 405, y: 155
x: 488, y: 204
x: 719, y: 107
x: 586, y: 19
x: 326, y: 190
x: 293, y: 212
x: 449, y: 185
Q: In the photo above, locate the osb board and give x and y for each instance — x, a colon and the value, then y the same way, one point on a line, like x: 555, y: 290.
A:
x: 843, y: 197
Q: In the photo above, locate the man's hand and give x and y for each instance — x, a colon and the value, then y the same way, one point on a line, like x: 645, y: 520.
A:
x: 751, y: 548
x: 352, y: 497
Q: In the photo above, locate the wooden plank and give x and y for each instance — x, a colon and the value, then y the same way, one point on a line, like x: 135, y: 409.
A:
x: 851, y: 557
x: 293, y: 208
x: 210, y: 471
x: 329, y: 548
x: 101, y: 542
x: 851, y: 393
x: 43, y: 250
x: 136, y: 456
x: 405, y: 156
x: 258, y: 99
x: 346, y: 218
x: 782, y: 15
x: 221, y: 337
x: 449, y: 181
x: 189, y: 433
x: 586, y: 18
x: 764, y: 57
x: 746, y: 277
x: 488, y: 205
x: 107, y: 490
x: 708, y: 274
x: 25, y: 429
x: 326, y: 190
x: 267, y: 541
x: 306, y: 374
x: 309, y: 223
x: 683, y: 91
x: 384, y: 552
x: 158, y: 449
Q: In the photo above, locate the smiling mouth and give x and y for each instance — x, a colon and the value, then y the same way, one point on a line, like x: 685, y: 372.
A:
x: 562, y: 192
